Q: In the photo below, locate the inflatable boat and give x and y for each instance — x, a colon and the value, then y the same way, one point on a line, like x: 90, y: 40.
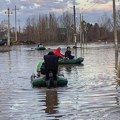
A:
x: 40, y: 48
x: 71, y: 61
x: 41, y: 82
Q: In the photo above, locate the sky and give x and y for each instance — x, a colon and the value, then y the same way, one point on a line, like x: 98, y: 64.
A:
x: 91, y: 10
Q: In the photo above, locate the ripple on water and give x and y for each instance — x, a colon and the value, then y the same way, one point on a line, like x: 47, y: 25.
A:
x: 92, y: 92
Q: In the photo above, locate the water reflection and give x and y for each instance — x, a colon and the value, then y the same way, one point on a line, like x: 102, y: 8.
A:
x: 51, y: 101
x: 76, y: 53
x: 118, y: 83
x: 69, y: 67
x: 118, y: 90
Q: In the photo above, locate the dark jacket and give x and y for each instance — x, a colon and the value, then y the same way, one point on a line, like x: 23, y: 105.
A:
x: 68, y: 54
x: 51, y: 62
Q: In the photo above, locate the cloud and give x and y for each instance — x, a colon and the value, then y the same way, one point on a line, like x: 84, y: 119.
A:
x: 8, y: 1
x: 60, y: 0
x: 36, y: 5
x: 3, y: 12
x: 29, y: 8
x: 101, y: 1
x: 59, y: 10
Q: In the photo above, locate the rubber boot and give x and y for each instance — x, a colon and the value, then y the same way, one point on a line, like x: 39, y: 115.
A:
x: 55, y: 84
x: 48, y: 84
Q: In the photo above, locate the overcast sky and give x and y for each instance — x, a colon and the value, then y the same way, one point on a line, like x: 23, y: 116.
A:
x: 92, y: 10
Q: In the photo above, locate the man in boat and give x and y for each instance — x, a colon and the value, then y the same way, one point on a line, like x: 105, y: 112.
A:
x: 68, y: 53
x: 57, y: 53
x: 51, y: 66
x: 40, y: 45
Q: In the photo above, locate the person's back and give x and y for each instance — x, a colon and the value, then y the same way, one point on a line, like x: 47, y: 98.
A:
x: 51, y: 65
x: 51, y: 62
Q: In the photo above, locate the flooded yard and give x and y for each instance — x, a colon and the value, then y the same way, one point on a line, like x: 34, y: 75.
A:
x: 92, y: 92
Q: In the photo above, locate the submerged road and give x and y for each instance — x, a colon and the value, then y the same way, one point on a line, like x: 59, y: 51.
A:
x: 92, y: 92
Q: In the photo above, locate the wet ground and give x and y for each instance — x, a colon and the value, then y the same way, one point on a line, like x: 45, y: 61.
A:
x: 93, y: 92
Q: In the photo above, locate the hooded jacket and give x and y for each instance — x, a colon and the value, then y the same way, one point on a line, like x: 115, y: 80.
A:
x: 57, y: 53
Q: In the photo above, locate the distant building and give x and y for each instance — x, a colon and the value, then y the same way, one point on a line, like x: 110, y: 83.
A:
x: 62, y: 34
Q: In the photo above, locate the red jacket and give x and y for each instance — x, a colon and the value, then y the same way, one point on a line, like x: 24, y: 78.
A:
x: 57, y: 53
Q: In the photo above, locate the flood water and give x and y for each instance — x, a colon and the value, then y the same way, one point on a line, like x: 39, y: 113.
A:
x: 92, y: 92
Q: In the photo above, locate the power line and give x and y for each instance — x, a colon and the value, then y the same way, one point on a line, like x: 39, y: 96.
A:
x: 90, y: 6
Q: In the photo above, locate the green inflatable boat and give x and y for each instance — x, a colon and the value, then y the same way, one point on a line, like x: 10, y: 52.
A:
x: 40, y: 82
x: 71, y: 61
x: 40, y: 48
x: 39, y: 66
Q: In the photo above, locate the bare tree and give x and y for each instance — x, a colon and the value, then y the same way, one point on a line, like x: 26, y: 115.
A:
x: 106, y: 26
x: 3, y: 29
x: 66, y: 21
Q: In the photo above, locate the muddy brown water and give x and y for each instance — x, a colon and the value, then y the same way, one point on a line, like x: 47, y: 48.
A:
x: 92, y: 92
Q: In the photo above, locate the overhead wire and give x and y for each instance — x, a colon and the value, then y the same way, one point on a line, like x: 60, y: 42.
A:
x: 89, y: 6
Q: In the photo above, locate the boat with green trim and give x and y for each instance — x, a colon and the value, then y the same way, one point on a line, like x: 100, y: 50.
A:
x: 41, y: 82
x: 71, y: 61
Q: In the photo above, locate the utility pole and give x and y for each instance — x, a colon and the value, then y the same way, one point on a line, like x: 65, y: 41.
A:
x: 81, y: 30
x: 74, y: 24
x: 8, y: 33
x: 15, y: 23
x: 74, y: 16
x: 115, y: 35
x: 81, y: 33
x: 19, y: 26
